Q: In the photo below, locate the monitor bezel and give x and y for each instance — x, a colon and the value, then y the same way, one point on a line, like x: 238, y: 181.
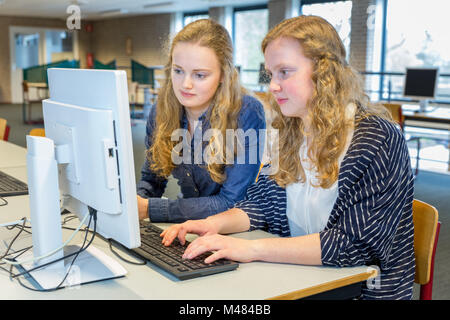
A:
x: 421, y: 97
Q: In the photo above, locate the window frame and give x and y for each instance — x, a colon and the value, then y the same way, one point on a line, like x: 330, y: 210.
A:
x: 192, y: 14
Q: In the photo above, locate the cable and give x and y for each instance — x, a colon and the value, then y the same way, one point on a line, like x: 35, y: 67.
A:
x: 5, y: 202
x: 62, y: 258
x: 143, y: 262
x: 24, y: 219
x: 92, y: 214
x: 35, y: 259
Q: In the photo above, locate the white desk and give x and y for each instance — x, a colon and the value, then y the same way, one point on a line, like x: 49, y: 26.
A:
x: 255, y: 280
x: 12, y: 155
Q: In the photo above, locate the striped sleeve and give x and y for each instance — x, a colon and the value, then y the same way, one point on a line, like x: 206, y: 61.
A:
x: 265, y: 205
x: 371, y: 222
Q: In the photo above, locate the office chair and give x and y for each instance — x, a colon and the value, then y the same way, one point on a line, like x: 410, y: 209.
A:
x: 40, y: 132
x: 426, y: 235
x: 6, y: 135
x: 4, y: 129
x: 397, y: 116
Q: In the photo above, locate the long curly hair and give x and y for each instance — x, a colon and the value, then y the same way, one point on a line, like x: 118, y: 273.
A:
x: 336, y: 84
x: 223, y: 114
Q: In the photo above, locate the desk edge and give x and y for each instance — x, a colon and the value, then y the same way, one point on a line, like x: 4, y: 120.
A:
x: 326, y: 286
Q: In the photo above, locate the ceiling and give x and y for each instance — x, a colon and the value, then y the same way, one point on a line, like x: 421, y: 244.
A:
x: 104, y: 9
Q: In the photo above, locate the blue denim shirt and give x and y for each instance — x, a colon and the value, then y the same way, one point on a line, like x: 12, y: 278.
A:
x: 200, y: 195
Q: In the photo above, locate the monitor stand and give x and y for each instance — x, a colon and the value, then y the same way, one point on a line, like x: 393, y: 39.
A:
x: 423, y: 105
x: 91, y: 265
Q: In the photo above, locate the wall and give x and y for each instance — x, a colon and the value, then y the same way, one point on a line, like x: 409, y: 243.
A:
x: 148, y: 36
x: 5, y: 64
x: 361, y: 41
x: 107, y: 41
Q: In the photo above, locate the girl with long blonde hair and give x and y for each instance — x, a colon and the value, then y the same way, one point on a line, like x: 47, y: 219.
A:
x: 343, y: 193
x: 200, y: 101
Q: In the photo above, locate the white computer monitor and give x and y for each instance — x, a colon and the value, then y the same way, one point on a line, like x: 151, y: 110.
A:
x: 85, y: 161
x: 421, y: 83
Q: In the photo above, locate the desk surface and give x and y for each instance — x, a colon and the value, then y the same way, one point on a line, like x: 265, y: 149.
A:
x: 434, y: 114
x: 12, y: 155
x: 255, y: 280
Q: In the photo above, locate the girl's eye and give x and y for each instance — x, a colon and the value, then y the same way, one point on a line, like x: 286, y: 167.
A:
x: 284, y: 73
x: 177, y: 71
x: 200, y: 75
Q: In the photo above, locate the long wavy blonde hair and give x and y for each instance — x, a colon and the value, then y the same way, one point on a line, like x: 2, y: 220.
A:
x: 336, y: 84
x: 226, y: 103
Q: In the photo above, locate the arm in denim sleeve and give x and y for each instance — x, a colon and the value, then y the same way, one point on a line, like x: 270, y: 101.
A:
x: 238, y: 176
x: 150, y: 185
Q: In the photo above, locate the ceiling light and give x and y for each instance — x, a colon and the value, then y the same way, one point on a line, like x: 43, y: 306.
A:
x: 161, y: 4
x: 113, y: 12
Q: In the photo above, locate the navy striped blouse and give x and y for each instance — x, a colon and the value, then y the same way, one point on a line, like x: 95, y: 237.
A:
x: 371, y: 221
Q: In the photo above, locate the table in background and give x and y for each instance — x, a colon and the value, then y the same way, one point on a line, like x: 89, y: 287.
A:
x: 433, y: 118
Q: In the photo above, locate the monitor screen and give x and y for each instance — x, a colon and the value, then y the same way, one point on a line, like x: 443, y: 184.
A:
x: 264, y: 77
x: 420, y: 83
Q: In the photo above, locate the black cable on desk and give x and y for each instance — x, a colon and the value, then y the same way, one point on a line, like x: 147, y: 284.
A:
x: 143, y: 262
x: 14, y: 239
x: 5, y: 202
x: 93, y: 214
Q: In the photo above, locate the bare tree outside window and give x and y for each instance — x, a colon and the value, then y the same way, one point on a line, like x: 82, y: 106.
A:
x: 338, y: 14
x: 418, y: 37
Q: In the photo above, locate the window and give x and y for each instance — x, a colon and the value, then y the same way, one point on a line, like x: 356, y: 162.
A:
x: 337, y: 13
x: 27, y: 50
x: 417, y: 39
x: 59, y: 45
x: 191, y: 17
x: 250, y: 27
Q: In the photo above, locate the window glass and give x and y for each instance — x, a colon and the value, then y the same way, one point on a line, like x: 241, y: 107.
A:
x: 27, y: 50
x: 59, y: 45
x: 417, y: 39
x: 338, y: 14
x: 250, y: 28
x: 188, y: 18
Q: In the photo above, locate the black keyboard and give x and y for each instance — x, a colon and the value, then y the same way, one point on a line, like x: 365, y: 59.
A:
x: 10, y: 186
x: 169, y: 258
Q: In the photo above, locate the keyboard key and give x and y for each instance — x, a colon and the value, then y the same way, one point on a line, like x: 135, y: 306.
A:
x: 170, y: 258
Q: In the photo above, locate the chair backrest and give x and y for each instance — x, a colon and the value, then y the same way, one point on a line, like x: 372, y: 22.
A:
x: 425, y: 218
x: 3, y: 123
x: 396, y: 112
x: 40, y: 132
x: 6, y: 136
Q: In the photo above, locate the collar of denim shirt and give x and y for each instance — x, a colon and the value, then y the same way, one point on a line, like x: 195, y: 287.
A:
x: 202, y: 118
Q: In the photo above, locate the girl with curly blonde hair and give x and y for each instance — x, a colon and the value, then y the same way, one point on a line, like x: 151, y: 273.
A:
x: 202, y: 98
x: 343, y: 193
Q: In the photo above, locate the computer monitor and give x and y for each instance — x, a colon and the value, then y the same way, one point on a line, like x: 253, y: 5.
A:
x: 84, y: 163
x: 263, y: 77
x: 421, y: 83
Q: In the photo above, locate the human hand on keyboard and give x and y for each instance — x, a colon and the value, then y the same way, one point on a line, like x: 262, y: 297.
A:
x: 200, y: 227
x: 224, y: 247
